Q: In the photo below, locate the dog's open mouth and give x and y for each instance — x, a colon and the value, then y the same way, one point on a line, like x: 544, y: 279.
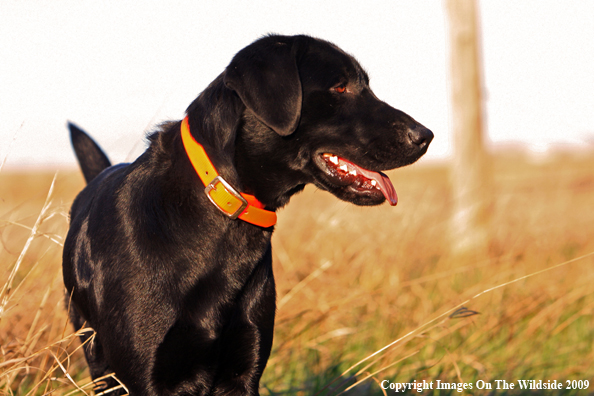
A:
x: 345, y: 173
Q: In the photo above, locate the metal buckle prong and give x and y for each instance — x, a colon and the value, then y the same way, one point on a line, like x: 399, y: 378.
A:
x: 234, y: 192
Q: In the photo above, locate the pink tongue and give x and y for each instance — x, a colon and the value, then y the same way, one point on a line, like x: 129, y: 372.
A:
x: 383, y: 183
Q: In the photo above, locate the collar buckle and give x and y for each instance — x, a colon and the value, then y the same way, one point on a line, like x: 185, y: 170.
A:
x: 225, y: 197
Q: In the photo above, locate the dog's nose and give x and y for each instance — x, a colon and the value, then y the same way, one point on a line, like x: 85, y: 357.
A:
x: 420, y: 136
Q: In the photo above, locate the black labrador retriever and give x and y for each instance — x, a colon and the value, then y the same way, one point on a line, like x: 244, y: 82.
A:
x: 168, y: 258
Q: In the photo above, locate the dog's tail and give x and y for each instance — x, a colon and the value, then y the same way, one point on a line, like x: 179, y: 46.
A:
x: 90, y: 157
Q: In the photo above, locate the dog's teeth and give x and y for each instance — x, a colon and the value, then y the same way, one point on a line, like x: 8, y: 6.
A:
x: 334, y: 160
x: 354, y: 172
x: 374, y: 183
x: 343, y: 167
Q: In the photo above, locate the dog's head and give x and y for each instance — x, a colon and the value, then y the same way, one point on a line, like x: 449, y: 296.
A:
x: 309, y: 116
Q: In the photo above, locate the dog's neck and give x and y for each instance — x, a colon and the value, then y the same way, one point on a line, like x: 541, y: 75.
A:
x: 223, y: 196
x: 219, y: 134
x: 216, y: 133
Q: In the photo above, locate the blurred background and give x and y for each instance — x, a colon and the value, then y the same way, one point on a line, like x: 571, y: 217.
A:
x: 483, y: 271
x: 117, y: 68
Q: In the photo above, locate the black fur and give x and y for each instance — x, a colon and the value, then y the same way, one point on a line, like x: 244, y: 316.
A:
x: 181, y: 297
x: 90, y: 157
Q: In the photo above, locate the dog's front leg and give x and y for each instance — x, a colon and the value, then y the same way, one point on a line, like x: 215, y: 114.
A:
x: 247, y: 340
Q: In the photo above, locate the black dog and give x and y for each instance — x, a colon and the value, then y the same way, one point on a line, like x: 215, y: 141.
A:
x: 178, y: 284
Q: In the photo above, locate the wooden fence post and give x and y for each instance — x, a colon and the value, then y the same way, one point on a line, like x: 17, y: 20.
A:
x: 470, y: 177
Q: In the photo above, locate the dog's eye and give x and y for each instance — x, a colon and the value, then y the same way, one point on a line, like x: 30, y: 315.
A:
x: 340, y: 88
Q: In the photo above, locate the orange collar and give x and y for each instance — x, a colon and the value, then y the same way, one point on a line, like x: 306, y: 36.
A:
x: 227, y: 199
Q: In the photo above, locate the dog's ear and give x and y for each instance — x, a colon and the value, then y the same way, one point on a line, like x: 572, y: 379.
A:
x: 266, y: 78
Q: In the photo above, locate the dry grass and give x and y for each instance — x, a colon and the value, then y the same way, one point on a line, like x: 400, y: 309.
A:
x: 364, y: 294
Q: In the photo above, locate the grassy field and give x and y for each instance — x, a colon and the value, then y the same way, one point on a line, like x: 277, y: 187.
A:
x: 365, y: 295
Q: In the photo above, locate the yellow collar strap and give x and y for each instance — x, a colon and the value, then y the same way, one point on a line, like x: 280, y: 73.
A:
x: 227, y: 199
